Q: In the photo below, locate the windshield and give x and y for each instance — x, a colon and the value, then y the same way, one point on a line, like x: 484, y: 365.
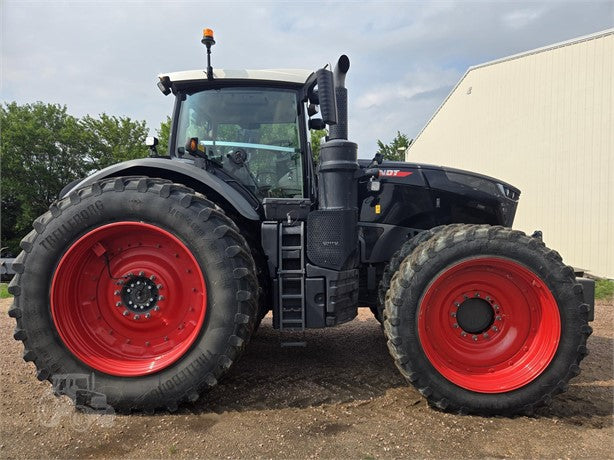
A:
x: 250, y: 132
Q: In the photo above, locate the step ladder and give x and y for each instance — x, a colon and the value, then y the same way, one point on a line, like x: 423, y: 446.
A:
x: 291, y: 279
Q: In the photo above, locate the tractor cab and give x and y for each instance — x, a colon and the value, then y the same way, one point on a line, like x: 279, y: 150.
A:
x: 249, y: 124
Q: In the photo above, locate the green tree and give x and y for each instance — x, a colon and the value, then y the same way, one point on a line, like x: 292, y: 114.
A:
x: 164, y: 135
x: 115, y: 139
x: 316, y: 136
x: 42, y: 148
x: 395, y: 151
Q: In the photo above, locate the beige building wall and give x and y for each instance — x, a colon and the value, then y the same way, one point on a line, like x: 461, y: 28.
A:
x: 542, y: 121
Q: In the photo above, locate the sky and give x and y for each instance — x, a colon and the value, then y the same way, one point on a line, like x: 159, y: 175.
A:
x: 406, y: 56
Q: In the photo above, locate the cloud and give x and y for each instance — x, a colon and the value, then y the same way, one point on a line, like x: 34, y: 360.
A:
x: 104, y: 56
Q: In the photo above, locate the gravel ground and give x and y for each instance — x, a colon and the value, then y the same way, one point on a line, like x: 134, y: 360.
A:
x: 339, y: 397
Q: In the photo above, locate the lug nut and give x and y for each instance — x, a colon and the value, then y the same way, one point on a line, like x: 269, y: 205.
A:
x: 147, y: 315
x: 455, y: 325
x: 495, y: 328
x: 116, y: 293
x: 159, y: 286
x: 137, y: 317
x: 463, y: 334
x: 456, y: 304
x: 475, y: 337
x: 498, y: 318
x: 485, y: 335
x: 118, y: 304
x: 126, y: 313
x: 161, y: 297
x: 141, y: 273
x: 152, y: 277
x: 477, y: 294
x: 156, y: 308
x: 453, y: 314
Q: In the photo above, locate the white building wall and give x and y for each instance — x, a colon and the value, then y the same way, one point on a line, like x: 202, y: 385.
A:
x: 542, y: 121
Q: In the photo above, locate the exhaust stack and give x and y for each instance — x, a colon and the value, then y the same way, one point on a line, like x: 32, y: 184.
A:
x: 340, y: 130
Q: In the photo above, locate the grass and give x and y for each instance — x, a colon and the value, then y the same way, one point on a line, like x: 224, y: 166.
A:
x: 604, y: 289
x: 4, y: 291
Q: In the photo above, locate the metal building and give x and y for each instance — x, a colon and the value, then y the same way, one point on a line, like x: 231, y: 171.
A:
x: 542, y: 121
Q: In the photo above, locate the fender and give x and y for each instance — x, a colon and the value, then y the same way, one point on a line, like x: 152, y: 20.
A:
x: 178, y: 171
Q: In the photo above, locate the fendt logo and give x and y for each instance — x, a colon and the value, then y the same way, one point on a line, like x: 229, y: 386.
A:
x: 394, y: 173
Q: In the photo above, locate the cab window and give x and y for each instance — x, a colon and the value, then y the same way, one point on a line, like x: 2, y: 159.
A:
x: 252, y: 133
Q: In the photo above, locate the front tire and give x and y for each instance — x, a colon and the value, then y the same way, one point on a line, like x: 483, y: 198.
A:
x: 486, y: 320
x: 141, y: 285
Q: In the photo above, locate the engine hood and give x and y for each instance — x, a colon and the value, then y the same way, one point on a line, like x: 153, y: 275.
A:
x: 445, y: 195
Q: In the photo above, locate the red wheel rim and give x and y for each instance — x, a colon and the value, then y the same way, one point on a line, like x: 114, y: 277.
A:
x: 516, y: 346
x: 143, y: 318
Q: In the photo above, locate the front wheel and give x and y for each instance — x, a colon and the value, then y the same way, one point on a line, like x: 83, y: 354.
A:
x: 486, y: 320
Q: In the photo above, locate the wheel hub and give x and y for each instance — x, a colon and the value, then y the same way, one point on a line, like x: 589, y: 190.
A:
x: 475, y: 315
x: 139, y: 293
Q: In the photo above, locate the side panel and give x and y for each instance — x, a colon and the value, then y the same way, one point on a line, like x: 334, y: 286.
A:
x: 404, y: 200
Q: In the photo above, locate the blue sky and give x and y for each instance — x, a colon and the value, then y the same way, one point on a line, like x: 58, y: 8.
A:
x: 97, y: 57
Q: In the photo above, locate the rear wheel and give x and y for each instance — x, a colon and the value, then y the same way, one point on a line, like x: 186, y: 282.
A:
x: 141, y: 284
x: 486, y: 320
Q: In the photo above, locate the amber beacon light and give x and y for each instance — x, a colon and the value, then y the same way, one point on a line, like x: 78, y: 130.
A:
x: 208, y: 41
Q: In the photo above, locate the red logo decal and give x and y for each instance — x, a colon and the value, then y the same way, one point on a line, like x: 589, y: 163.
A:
x: 394, y: 173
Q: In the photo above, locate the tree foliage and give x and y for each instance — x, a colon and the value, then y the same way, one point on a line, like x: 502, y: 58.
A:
x: 395, y: 150
x: 114, y: 139
x: 43, y: 148
x: 316, y: 136
x: 164, y: 136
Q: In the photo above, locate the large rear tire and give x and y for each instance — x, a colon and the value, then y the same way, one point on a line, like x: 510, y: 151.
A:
x: 486, y: 320
x: 140, y: 284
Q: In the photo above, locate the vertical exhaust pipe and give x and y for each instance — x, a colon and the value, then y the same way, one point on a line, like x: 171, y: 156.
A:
x: 332, y: 230
x: 340, y: 130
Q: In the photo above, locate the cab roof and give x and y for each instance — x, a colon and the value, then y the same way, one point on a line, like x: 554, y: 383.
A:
x: 297, y: 76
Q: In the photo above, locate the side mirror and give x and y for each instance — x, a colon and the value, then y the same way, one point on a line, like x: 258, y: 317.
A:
x: 326, y: 96
x: 316, y: 123
x: 151, y: 142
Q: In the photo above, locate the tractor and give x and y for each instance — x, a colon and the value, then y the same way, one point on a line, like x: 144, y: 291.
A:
x: 151, y: 275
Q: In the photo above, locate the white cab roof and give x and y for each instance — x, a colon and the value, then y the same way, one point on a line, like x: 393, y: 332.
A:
x: 282, y: 75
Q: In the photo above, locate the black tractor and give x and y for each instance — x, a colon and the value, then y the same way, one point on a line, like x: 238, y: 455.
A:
x: 152, y: 275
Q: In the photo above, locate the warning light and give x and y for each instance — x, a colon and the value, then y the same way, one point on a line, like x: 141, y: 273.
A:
x: 208, y: 33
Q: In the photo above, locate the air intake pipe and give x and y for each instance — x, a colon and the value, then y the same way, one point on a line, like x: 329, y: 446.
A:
x: 340, y: 130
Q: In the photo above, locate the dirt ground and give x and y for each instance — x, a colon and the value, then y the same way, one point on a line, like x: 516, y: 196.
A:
x: 339, y: 397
